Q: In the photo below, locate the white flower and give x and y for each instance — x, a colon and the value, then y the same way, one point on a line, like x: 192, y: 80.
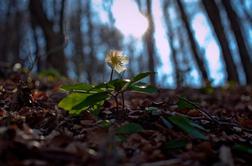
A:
x: 116, y: 60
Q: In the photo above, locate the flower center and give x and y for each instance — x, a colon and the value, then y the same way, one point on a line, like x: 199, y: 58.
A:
x: 115, y: 60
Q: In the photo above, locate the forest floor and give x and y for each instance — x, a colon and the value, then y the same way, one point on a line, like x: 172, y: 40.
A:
x: 209, y: 126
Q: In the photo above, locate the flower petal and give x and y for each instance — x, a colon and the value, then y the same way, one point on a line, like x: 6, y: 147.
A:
x: 119, y: 69
x: 125, y: 60
x: 116, y: 60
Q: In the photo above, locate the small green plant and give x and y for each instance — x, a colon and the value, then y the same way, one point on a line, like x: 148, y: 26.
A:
x: 90, y: 97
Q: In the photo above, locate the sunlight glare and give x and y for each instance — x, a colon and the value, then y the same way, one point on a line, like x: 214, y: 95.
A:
x: 128, y: 19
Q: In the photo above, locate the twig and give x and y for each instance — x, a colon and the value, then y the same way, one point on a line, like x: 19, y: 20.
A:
x: 116, y: 101
x: 163, y: 163
x: 123, y: 104
x: 210, y: 117
x: 184, y: 115
x: 201, y: 110
x: 207, y: 119
x: 234, y: 125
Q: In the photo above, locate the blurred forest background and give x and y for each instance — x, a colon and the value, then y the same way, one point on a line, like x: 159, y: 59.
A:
x: 187, y: 42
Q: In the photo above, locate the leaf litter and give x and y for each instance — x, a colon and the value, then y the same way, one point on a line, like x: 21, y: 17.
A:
x: 172, y: 127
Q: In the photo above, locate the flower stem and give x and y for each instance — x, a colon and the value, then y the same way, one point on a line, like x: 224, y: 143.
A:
x: 116, y: 101
x: 122, y: 95
x: 111, y: 75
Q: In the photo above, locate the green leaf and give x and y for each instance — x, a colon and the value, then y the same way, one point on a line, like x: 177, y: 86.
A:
x: 187, y: 125
x: 143, y: 88
x: 81, y: 86
x: 185, y: 104
x: 118, y: 84
x: 129, y: 128
x: 102, y: 87
x: 166, y: 123
x: 140, y: 77
x: 71, y: 100
x: 77, y: 112
x: 97, y: 108
x: 92, y: 100
x: 120, y: 138
x: 243, y: 148
x: 104, y: 123
x: 198, y: 126
x: 175, y: 144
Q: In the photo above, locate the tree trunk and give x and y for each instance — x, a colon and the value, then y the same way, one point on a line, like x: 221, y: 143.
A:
x: 241, y: 43
x: 183, y: 53
x: 170, y: 36
x: 78, y: 57
x: 149, y: 41
x: 12, y: 33
x: 92, y: 58
x: 5, y: 35
x: 248, y: 15
x: 37, y: 61
x: 214, y: 16
x: 18, y: 33
x: 199, y: 61
x: 55, y: 41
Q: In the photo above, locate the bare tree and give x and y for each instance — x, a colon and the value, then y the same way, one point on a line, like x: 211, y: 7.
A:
x: 55, y: 40
x: 185, y: 67
x: 149, y: 37
x: 198, y: 59
x: 37, y: 60
x: 77, y: 37
x: 248, y: 15
x: 107, y: 5
x: 170, y: 36
x: 92, y: 56
x: 241, y: 41
x: 12, y: 33
x: 5, y: 28
x: 215, y: 18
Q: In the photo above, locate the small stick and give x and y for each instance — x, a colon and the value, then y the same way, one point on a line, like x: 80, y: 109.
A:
x: 123, y: 104
x: 201, y: 110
